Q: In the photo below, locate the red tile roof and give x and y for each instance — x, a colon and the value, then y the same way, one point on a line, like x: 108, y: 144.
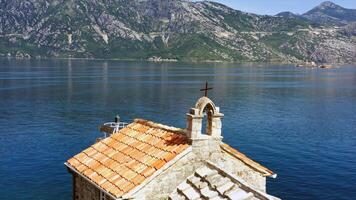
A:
x: 124, y: 160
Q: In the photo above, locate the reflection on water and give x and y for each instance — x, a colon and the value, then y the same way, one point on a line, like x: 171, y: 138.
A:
x: 299, y: 122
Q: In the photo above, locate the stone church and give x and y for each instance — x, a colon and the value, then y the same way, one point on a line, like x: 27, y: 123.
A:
x: 148, y: 160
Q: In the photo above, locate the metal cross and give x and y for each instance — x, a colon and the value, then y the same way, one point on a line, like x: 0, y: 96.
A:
x: 206, y: 89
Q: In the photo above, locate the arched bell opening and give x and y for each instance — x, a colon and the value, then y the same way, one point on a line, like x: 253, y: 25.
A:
x: 207, y: 123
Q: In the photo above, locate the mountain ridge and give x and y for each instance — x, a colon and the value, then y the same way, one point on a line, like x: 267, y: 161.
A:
x: 170, y: 29
x: 329, y: 12
x: 326, y: 13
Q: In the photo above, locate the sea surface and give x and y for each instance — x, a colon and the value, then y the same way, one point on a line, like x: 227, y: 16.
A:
x: 301, y: 123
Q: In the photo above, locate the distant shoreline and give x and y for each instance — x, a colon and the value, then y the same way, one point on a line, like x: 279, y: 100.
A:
x: 163, y: 61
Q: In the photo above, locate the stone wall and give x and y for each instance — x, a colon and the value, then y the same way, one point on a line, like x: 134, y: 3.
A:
x: 84, y: 190
x: 237, y: 167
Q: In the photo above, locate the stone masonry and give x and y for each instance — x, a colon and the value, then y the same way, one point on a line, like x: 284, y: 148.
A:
x: 84, y: 190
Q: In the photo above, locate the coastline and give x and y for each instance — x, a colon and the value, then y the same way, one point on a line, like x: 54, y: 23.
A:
x: 164, y: 61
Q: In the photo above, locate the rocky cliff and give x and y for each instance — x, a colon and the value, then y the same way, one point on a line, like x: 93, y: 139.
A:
x: 168, y: 29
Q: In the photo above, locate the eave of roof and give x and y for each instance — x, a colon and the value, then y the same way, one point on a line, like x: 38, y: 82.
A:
x: 248, y: 161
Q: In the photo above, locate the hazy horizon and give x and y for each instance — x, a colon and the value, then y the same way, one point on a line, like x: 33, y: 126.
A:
x: 273, y: 7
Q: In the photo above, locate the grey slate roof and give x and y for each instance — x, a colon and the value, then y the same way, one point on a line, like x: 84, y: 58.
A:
x: 211, y: 182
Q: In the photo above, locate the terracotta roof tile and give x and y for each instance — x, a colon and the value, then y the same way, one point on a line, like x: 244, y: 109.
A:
x: 90, y: 152
x: 138, y: 179
x: 100, y: 169
x: 114, y: 165
x: 108, y: 161
x: 110, y: 152
x: 99, y: 156
x: 143, y: 159
x: 168, y: 156
x: 88, y: 161
x: 158, y: 164
x: 124, y: 160
x: 148, y: 172
x: 88, y: 172
x: 137, y: 154
x: 119, y: 169
x: 115, y: 190
x: 119, y: 182
x: 95, y: 164
x: 139, y: 168
x: 82, y: 168
x: 74, y: 162
x: 162, y: 144
x: 97, y: 178
x: 150, y: 161
x: 99, y: 146
x: 132, y: 164
x: 127, y: 150
x: 109, y: 142
x: 131, y: 133
x: 129, y: 174
x: 114, y: 177
x: 108, y: 185
x: 80, y: 156
x: 117, y: 137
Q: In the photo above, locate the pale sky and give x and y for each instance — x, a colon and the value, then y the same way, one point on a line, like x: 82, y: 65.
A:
x: 273, y: 7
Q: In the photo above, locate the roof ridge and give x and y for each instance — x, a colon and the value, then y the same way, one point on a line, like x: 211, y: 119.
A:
x: 160, y: 126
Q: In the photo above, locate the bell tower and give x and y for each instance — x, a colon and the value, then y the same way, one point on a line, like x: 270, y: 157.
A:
x: 204, y: 108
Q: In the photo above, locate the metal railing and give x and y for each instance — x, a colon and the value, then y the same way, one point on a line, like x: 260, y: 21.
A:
x: 116, y: 126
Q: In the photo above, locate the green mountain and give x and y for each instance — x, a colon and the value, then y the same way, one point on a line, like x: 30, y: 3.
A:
x: 170, y: 29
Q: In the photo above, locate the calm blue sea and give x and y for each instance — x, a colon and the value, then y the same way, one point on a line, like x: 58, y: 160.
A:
x: 301, y: 123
